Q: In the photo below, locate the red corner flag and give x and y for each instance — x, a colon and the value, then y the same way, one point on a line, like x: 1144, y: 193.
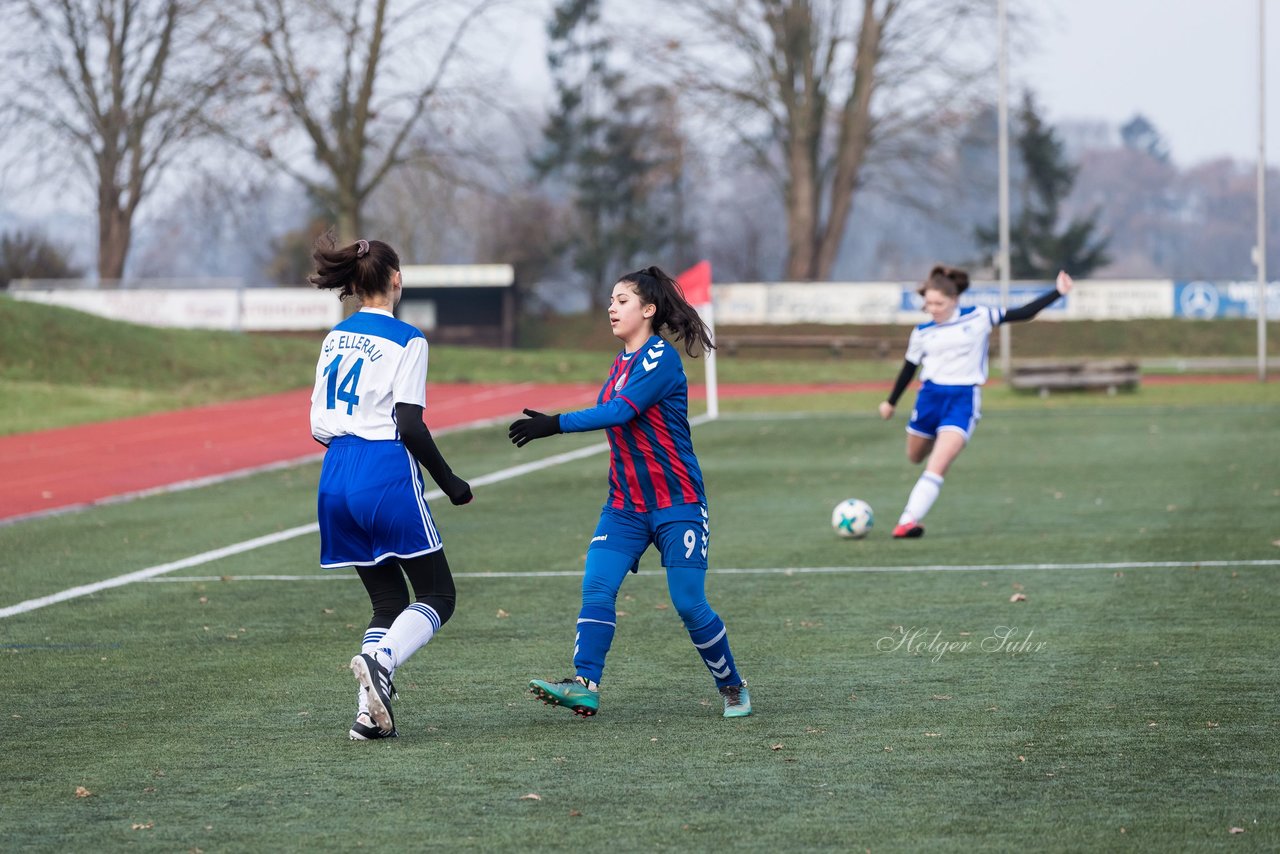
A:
x: 696, y: 283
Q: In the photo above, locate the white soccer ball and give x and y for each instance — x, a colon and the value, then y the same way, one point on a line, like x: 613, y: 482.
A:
x: 852, y: 518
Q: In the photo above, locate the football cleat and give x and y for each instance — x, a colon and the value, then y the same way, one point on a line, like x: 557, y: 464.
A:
x: 364, y: 730
x: 908, y: 531
x: 571, y: 693
x: 376, y: 683
x: 737, y: 702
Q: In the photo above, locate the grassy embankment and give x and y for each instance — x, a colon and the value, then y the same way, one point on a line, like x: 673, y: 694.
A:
x: 60, y: 367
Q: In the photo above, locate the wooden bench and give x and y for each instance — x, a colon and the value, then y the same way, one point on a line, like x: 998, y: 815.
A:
x: 837, y: 344
x: 1111, y: 374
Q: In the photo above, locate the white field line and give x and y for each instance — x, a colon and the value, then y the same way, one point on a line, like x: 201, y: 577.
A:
x: 786, y: 570
x: 271, y: 539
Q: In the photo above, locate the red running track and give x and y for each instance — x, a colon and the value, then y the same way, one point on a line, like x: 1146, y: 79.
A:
x: 70, y: 467
x: 52, y: 470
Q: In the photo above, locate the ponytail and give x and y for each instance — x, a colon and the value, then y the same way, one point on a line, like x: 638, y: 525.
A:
x: 361, y: 270
x: 671, y: 309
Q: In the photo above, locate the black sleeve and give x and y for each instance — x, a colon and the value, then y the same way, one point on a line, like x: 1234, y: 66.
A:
x: 900, y: 384
x: 417, y: 438
x: 1031, y: 309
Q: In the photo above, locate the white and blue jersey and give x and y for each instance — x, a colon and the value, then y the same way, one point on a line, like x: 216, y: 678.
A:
x: 954, y: 352
x: 953, y: 360
x: 371, y: 503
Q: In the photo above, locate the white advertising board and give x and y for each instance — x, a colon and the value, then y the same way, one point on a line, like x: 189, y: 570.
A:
x: 252, y: 309
x: 782, y: 303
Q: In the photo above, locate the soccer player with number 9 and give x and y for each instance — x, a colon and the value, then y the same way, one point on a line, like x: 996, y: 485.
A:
x: 656, y: 494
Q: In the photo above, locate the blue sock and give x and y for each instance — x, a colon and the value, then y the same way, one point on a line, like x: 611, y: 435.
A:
x: 595, y: 635
x: 712, y: 643
x: 598, y: 618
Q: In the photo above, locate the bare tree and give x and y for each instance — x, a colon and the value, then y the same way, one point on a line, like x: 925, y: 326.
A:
x: 364, y: 85
x: 819, y: 89
x: 118, y: 88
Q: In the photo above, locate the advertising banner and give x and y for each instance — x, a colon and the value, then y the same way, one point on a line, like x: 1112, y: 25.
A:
x: 1201, y: 300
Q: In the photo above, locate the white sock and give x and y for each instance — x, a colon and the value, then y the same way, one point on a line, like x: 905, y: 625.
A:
x: 372, y: 638
x: 416, y: 625
x: 922, y: 496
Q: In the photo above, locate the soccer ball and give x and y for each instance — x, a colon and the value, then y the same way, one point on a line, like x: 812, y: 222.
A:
x: 852, y: 518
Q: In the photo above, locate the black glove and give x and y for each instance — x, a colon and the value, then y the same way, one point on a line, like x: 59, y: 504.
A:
x: 457, y: 489
x: 536, y: 426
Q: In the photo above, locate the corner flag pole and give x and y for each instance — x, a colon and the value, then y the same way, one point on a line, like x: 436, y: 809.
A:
x: 696, y: 284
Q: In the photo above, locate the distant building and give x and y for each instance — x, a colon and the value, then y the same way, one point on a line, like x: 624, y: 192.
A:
x: 461, y: 303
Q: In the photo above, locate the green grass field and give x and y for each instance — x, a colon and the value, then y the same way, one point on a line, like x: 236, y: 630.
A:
x: 1128, y: 706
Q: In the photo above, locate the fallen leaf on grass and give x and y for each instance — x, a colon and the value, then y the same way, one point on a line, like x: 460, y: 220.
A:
x: 1236, y: 830
x: 82, y: 792
x: 941, y: 697
x: 775, y: 747
x: 326, y: 611
x: 502, y: 613
x: 1211, y: 724
x: 933, y: 734
x: 140, y: 826
x: 531, y: 797
x: 1018, y: 597
x: 1022, y: 759
x: 204, y: 600
x: 574, y: 813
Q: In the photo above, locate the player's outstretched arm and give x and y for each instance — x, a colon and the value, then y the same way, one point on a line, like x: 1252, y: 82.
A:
x: 535, y: 425
x: 417, y: 438
x: 1040, y: 303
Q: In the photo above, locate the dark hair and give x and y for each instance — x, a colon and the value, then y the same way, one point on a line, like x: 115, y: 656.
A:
x: 672, y: 310
x: 360, y: 270
x: 946, y: 280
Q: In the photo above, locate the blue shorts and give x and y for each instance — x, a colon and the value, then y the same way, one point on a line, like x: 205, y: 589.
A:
x: 946, y: 407
x: 371, y: 504
x: 682, y: 534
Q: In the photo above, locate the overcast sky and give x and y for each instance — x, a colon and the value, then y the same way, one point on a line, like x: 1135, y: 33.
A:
x: 1190, y: 66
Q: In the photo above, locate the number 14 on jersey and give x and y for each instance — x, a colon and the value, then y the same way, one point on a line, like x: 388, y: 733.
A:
x: 345, y: 390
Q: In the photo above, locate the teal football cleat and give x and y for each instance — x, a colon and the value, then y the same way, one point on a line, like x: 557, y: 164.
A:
x: 737, y: 702
x: 571, y: 693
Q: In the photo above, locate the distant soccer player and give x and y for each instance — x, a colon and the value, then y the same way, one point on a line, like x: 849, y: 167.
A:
x: 656, y: 494
x: 953, y: 351
x: 366, y: 408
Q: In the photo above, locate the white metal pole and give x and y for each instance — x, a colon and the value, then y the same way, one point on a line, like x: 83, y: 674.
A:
x: 1261, y: 247
x: 713, y: 391
x: 1003, y: 147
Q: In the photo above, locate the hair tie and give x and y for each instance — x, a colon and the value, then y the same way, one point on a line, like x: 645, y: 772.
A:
x: 362, y: 248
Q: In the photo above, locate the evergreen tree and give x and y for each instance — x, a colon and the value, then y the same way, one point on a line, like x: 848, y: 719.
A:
x: 1141, y: 135
x: 1036, y: 249
x: 618, y: 151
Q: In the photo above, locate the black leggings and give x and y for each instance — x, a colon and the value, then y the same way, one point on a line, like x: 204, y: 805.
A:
x: 432, y: 585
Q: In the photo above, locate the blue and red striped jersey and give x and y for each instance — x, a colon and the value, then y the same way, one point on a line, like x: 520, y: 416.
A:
x: 644, y: 409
